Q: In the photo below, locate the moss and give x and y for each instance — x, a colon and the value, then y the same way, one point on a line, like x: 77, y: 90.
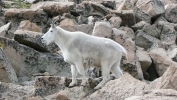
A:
x: 18, y: 4
x: 1, y: 45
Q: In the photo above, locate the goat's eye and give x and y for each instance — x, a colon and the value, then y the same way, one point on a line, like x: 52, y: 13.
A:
x: 51, y: 31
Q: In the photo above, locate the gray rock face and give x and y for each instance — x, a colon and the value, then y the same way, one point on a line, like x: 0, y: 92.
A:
x: 87, y: 8
x: 54, y: 8
x: 170, y: 13
x: 146, y: 41
x: 14, y: 92
x: 26, y: 61
x: 7, y: 73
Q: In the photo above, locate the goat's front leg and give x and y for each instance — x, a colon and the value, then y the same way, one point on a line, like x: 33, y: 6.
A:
x: 74, y: 74
x: 81, y: 70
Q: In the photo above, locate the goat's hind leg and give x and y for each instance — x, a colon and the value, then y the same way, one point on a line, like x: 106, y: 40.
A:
x: 105, y: 74
x: 74, y: 74
x: 115, y: 69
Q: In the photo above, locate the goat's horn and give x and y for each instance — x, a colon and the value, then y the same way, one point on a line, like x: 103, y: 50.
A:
x: 53, y: 21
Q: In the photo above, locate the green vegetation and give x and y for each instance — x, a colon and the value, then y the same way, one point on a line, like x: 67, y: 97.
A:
x: 18, y: 4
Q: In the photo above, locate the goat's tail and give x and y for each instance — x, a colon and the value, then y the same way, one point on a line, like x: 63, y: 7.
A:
x: 123, y: 51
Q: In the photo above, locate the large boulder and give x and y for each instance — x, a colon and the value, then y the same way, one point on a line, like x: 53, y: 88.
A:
x: 33, y: 15
x: 119, y: 89
x: 102, y: 29
x: 54, y: 8
x: 33, y: 40
x: 161, y: 60
x: 27, y: 25
x: 153, y: 8
x: 27, y: 61
x: 7, y: 73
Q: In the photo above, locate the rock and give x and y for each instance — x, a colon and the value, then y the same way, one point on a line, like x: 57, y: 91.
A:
x: 115, y: 22
x: 166, y: 2
x: 144, y: 59
x: 33, y: 40
x: 7, y: 73
x: 170, y: 13
x: 146, y: 41
x: 109, y: 3
x: 26, y: 14
x: 131, y: 64
x: 161, y: 60
x: 14, y: 92
x: 169, y: 78
x: 87, y: 8
x: 153, y: 30
x: 153, y: 8
x: 27, y: 25
x: 168, y: 34
x: 4, y: 29
x: 129, y: 32
x: 102, y: 29
x: 56, y: 96
x: 70, y: 25
x: 127, y: 16
x: 47, y: 85
x: 173, y: 54
x: 119, y: 89
x: 54, y: 8
x: 139, y: 25
x: 160, y: 18
x: 26, y: 61
x: 139, y: 14
x: 159, y: 94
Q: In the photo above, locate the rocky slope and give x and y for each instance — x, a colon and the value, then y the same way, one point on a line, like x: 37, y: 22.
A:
x: 31, y: 70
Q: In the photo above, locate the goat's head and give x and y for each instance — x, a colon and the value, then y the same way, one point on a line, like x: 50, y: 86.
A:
x: 50, y: 35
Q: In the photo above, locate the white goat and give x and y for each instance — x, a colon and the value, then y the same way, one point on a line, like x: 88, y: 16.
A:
x: 78, y: 46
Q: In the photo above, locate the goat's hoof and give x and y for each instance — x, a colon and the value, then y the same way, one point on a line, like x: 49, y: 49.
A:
x: 72, y: 84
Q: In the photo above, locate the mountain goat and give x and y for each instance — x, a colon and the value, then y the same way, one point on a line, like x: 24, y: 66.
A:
x: 78, y: 46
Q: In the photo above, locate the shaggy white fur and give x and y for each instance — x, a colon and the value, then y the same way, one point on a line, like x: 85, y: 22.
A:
x: 78, y: 46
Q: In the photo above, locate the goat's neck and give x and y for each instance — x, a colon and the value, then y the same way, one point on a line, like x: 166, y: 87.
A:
x: 62, y: 38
